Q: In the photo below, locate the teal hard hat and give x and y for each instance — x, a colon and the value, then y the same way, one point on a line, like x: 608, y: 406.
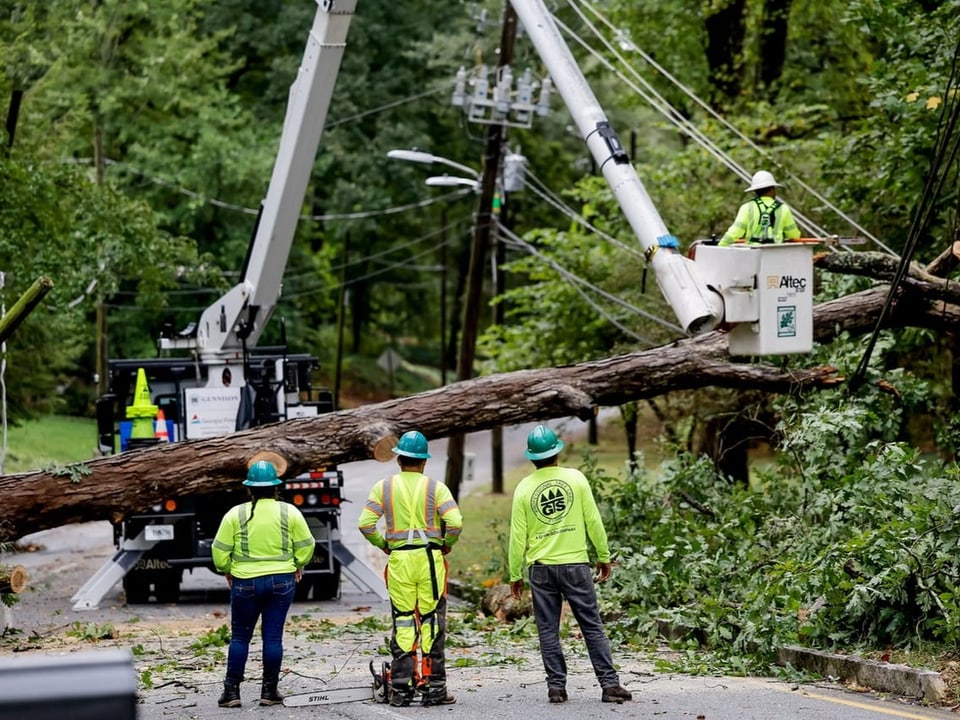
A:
x: 261, y: 474
x: 412, y: 445
x: 542, y: 443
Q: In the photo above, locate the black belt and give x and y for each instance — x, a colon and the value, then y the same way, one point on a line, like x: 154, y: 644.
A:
x: 433, y: 568
x: 431, y: 546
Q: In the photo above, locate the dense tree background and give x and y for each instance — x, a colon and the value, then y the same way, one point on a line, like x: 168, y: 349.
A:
x: 139, y: 139
x: 147, y: 132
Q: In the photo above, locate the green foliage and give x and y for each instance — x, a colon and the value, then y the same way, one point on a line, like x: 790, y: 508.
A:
x: 847, y: 544
x: 75, y: 472
x: 91, y: 632
x: 216, y: 638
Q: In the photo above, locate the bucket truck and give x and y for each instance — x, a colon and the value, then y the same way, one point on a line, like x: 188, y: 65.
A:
x: 212, y: 378
x: 225, y: 382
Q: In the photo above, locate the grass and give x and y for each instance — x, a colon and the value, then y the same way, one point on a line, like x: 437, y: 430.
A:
x: 50, y: 440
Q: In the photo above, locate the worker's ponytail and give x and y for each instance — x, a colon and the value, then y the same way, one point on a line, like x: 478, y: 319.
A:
x: 256, y: 493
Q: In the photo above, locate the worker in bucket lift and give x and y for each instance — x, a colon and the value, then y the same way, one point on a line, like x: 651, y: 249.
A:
x: 421, y: 523
x: 763, y: 219
x: 553, y: 515
x: 261, y: 547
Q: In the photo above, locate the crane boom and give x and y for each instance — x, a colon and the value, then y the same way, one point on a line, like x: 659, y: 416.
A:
x: 698, y: 308
x: 243, y: 311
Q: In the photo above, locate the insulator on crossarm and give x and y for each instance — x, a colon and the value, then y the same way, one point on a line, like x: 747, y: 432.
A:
x: 502, y: 92
x: 460, y: 88
x: 543, y: 105
x: 524, y: 96
x: 478, y: 98
x: 481, y: 85
x: 525, y: 88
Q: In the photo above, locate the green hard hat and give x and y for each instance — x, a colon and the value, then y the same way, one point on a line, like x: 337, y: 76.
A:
x: 412, y: 445
x: 261, y: 474
x: 542, y: 443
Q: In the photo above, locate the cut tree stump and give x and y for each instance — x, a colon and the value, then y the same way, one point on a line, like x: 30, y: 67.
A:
x: 12, y: 579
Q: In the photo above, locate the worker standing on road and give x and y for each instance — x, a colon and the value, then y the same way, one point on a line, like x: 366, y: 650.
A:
x: 554, y: 514
x: 422, y: 522
x: 261, y: 547
x: 762, y: 219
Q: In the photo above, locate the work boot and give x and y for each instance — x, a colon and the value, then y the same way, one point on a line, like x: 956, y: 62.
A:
x: 557, y: 695
x: 401, y: 697
x: 269, y: 694
x: 616, y: 694
x: 231, y: 695
x: 437, y: 696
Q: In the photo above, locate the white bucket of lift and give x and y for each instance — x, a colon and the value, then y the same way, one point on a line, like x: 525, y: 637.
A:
x: 768, y: 295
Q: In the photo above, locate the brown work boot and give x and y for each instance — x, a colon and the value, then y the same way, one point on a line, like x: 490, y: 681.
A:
x: 437, y: 696
x: 557, y: 695
x: 616, y: 694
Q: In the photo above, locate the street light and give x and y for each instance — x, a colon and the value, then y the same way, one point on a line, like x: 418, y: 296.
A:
x: 451, y: 181
x: 428, y: 159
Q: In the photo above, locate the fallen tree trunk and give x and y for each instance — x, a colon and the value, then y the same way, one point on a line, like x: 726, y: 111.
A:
x: 107, y: 488
x: 12, y: 579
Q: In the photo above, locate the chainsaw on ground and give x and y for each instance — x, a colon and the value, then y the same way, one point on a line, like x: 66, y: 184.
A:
x: 380, y: 691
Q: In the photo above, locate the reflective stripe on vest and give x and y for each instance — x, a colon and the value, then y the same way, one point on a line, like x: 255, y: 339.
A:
x: 407, y: 532
x: 286, y: 548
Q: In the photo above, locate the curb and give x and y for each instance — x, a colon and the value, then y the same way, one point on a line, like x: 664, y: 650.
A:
x: 880, y: 676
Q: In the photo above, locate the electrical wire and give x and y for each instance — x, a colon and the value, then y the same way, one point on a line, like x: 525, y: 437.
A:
x: 945, y: 153
x: 515, y: 240
x: 674, y: 116
x: 456, y: 194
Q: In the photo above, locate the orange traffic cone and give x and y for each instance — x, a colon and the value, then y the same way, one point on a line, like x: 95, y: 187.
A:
x: 161, y: 432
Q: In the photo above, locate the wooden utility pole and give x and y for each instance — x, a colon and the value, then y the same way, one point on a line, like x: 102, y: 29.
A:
x: 500, y: 286
x: 478, y: 254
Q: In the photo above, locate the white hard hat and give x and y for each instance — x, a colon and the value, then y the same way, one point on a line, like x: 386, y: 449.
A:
x: 762, y: 179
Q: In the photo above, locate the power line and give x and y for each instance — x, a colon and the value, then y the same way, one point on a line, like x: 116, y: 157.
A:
x: 659, y: 103
x: 516, y: 240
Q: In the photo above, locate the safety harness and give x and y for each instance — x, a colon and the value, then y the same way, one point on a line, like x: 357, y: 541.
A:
x: 766, y: 221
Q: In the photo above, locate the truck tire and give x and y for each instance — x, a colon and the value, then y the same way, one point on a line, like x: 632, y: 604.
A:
x: 136, y: 587
x: 167, y: 586
x: 323, y: 586
x: 327, y: 587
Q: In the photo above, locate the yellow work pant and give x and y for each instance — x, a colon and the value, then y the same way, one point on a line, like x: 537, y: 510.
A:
x: 417, y: 585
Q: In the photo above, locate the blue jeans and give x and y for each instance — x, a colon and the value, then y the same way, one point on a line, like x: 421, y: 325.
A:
x: 268, y: 599
x: 550, y: 585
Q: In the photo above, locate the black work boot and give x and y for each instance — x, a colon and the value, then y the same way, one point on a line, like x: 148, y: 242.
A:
x: 269, y: 694
x: 401, y: 697
x: 231, y: 695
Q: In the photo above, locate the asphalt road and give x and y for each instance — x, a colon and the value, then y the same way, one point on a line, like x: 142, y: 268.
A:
x: 185, y: 687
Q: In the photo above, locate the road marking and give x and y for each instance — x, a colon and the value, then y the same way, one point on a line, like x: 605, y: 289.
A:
x: 873, y: 707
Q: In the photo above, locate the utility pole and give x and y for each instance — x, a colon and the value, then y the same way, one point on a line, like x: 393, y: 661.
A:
x: 443, y: 295
x: 478, y: 254
x: 500, y: 286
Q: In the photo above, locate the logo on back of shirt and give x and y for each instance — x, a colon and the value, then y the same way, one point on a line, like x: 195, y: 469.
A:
x: 551, y: 501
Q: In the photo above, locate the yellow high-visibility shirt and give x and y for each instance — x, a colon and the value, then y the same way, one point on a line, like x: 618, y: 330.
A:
x: 269, y: 538
x: 417, y: 511
x: 554, y: 513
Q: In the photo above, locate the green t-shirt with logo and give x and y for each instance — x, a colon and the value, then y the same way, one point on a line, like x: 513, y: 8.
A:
x: 554, y: 514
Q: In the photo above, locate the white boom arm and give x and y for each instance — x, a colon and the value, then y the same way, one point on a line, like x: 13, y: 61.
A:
x: 245, y: 309
x: 698, y: 308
